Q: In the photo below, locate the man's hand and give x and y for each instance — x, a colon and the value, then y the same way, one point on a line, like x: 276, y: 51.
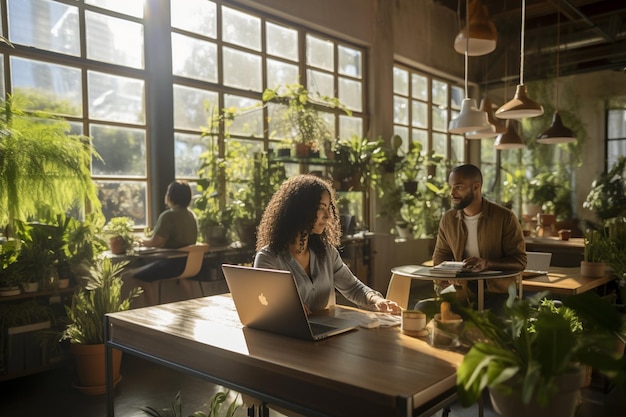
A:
x: 475, y: 264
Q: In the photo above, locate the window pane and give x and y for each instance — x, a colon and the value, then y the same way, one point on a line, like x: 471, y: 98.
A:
x: 400, y: 110
x: 616, y: 127
x: 196, y: 16
x: 113, y: 40
x: 349, y: 61
x: 194, y: 58
x: 282, y: 41
x: 123, y: 198
x: 241, y: 28
x: 400, y: 81
x: 456, y: 97
x: 123, y: 151
x: 457, y: 150
x: 240, y: 157
x: 187, y: 151
x: 131, y: 8
x: 49, y: 87
x: 2, y: 87
x: 403, y: 132
x: 350, y: 94
x: 250, y: 123
x: 440, y: 118
x: 280, y: 73
x: 419, y: 87
x: 440, y: 93
x: 45, y: 25
x: 321, y: 83
x: 349, y: 126
x: 319, y: 53
x: 242, y: 70
x: 615, y: 149
x: 419, y: 116
x: 118, y: 99
x: 440, y: 143
x: 190, y: 107
x: 421, y: 136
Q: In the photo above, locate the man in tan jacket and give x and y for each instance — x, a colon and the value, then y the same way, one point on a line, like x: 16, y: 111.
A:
x: 482, y: 234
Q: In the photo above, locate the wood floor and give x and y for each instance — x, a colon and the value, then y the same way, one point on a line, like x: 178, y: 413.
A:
x: 147, y: 384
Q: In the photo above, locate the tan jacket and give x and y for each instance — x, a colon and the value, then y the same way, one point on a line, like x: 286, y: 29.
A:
x: 499, y: 237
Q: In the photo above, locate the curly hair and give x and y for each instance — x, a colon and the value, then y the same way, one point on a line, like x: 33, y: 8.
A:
x: 292, y: 211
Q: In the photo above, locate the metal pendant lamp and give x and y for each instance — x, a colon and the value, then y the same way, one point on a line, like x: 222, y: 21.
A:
x: 470, y: 118
x: 521, y: 105
x: 557, y: 132
x: 498, y: 126
x: 479, y: 31
x: 511, y: 139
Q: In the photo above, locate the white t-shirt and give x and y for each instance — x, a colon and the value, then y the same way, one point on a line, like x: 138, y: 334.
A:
x: 471, y: 244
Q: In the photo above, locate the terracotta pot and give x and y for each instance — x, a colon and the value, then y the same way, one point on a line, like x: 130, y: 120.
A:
x: 562, y: 404
x: 90, y: 367
x: 116, y: 245
x: 592, y: 269
x: 303, y: 150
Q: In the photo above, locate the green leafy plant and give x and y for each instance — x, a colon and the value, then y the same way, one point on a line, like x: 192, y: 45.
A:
x: 123, y: 227
x: 596, y: 245
x: 353, y: 161
x: 42, y: 167
x: 412, y: 163
x: 549, y: 191
x: 213, y: 407
x: 102, y: 294
x: 9, y: 276
x: 607, y: 197
x: 523, y: 350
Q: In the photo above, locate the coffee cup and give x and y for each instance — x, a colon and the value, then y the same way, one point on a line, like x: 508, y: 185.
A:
x: 413, y: 323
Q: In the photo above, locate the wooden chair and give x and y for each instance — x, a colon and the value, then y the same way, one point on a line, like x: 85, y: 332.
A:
x: 195, y: 256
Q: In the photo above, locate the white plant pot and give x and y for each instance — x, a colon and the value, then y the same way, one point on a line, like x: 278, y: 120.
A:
x: 31, y: 286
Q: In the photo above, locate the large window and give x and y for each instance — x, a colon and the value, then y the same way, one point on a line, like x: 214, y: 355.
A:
x: 86, y: 60
x: 615, y: 133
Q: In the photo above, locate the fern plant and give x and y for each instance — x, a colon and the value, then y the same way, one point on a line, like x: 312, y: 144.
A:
x: 42, y: 167
x: 101, y: 295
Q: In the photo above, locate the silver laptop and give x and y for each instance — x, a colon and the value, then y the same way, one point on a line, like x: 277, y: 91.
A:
x: 268, y: 299
x: 537, y: 263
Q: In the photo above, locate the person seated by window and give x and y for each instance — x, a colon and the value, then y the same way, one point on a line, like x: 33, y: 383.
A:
x: 300, y: 232
x: 176, y: 227
x: 481, y: 234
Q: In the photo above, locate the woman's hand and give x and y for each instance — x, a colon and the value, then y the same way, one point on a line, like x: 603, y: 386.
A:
x: 387, y: 306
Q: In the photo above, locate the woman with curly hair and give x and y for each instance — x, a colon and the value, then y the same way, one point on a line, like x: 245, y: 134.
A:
x: 299, y: 232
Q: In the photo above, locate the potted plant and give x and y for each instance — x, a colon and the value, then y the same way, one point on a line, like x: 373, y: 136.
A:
x: 9, y: 277
x: 595, y: 252
x: 101, y: 294
x: 296, y: 116
x: 410, y: 167
x: 352, y: 169
x: 530, y: 357
x: 607, y: 197
x: 121, y: 234
x: 213, y: 407
x: 37, y: 255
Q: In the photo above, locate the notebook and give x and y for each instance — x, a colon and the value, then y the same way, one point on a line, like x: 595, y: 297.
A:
x: 537, y: 263
x: 268, y: 299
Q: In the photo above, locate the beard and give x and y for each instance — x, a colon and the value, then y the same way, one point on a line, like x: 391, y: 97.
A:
x: 465, y: 201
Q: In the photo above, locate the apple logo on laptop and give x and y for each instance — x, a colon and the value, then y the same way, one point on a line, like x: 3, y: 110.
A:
x: 263, y: 299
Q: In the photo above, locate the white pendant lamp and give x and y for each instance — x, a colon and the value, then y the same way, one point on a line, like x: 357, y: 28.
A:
x: 470, y: 117
x: 511, y: 139
x: 479, y: 29
x: 557, y: 132
x: 521, y: 105
x: 496, y: 128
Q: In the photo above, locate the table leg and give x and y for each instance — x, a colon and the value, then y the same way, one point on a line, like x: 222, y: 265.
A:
x: 108, y: 366
x: 481, y: 294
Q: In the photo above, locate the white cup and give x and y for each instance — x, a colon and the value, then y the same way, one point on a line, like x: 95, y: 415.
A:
x: 413, y: 322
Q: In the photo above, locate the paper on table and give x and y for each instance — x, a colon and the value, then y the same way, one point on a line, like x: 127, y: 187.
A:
x: 370, y: 319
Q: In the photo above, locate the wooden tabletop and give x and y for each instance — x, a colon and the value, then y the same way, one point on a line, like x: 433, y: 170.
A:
x: 564, y: 281
x: 379, y: 372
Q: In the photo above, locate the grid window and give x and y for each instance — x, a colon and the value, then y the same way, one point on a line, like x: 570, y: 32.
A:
x: 616, y: 136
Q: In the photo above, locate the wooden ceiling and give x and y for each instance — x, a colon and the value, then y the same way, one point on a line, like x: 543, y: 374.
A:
x: 592, y: 38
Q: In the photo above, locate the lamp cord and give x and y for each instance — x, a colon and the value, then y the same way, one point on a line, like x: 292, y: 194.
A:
x: 558, y: 50
x: 467, y: 35
x: 521, y: 70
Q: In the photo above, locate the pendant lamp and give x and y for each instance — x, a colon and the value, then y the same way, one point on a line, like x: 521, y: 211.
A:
x: 511, y: 139
x: 479, y: 29
x: 521, y: 105
x: 557, y: 132
x: 470, y: 117
x: 498, y: 126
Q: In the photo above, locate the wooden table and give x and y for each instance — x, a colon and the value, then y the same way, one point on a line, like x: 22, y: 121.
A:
x: 565, y: 253
x: 566, y: 281
x: 365, y: 372
x: 401, y: 276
